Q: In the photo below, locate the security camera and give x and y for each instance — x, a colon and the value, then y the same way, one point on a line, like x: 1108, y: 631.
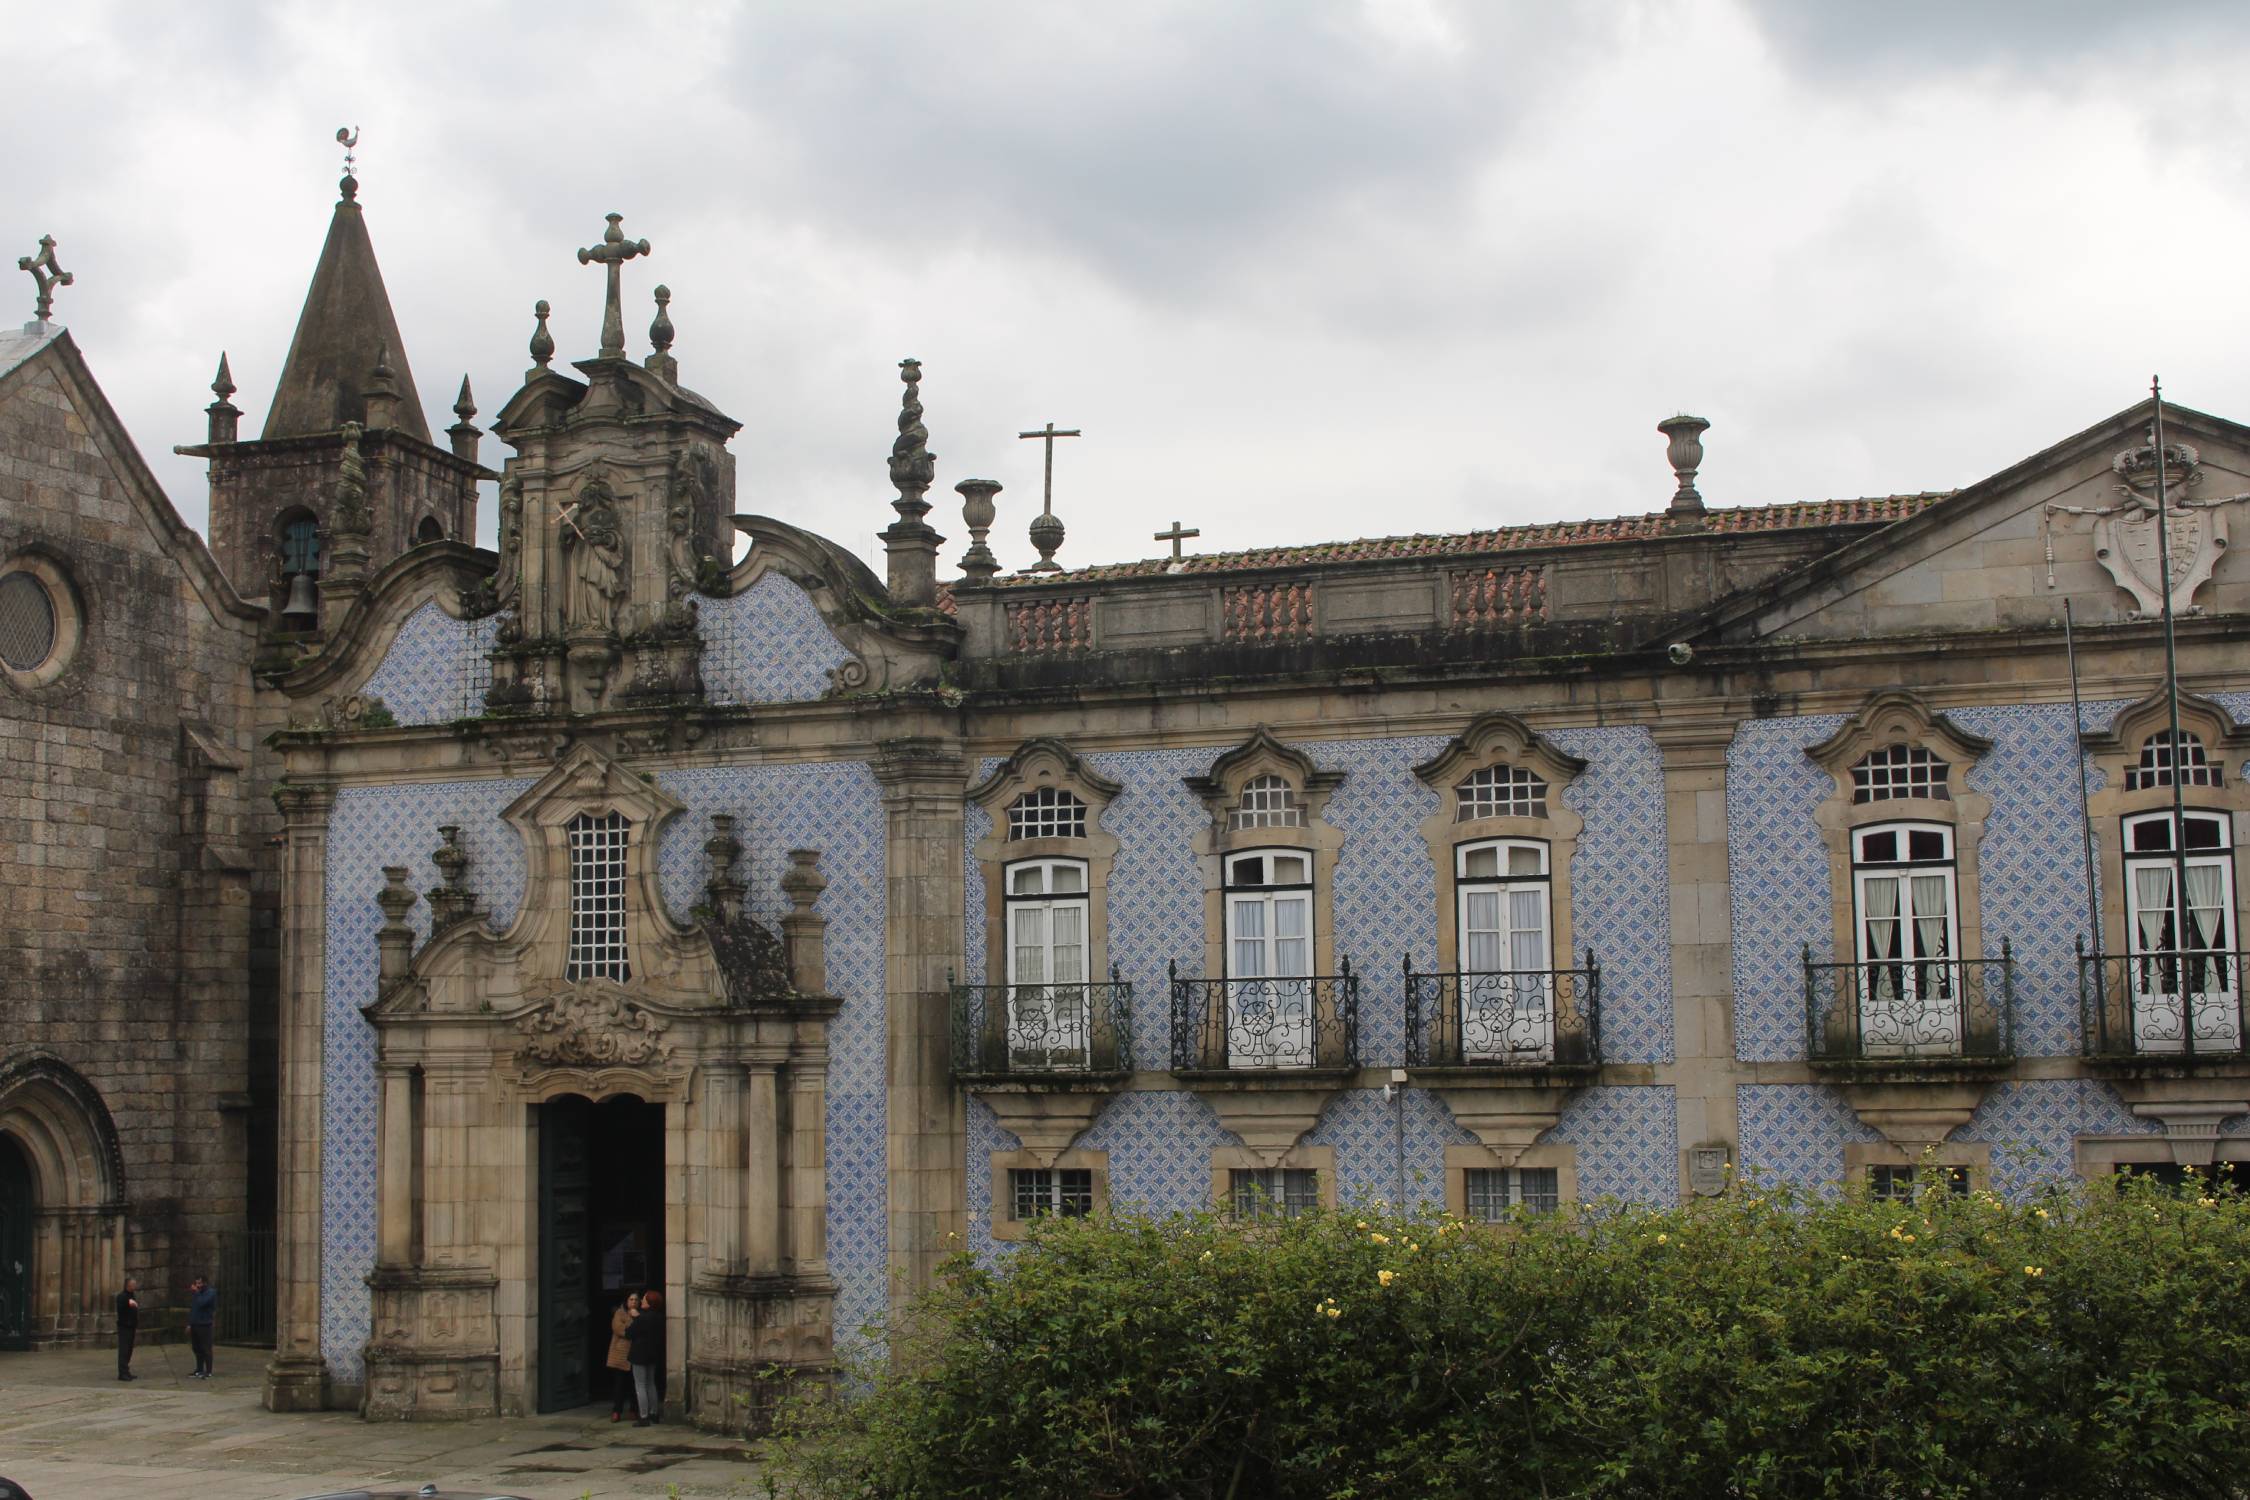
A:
x: 1680, y: 653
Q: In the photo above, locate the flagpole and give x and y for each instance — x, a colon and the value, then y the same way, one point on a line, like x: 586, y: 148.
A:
x: 2180, y: 914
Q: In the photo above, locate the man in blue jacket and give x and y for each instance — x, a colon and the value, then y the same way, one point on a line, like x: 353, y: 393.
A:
x: 202, y: 1315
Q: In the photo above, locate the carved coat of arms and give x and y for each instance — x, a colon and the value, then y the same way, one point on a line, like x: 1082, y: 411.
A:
x: 592, y: 1027
x: 2129, y: 543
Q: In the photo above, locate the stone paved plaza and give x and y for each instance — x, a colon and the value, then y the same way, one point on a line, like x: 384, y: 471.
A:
x: 69, y: 1431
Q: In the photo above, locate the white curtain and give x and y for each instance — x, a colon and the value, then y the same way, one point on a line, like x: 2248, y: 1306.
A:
x: 1070, y: 944
x: 1527, y: 919
x: 1882, y: 916
x: 1031, y: 946
x: 1249, y: 938
x: 1292, y: 954
x: 2152, y: 891
x: 2207, y: 923
x: 1482, y: 909
x: 1931, y: 909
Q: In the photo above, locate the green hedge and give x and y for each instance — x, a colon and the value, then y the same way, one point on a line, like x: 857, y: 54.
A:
x: 1767, y: 1343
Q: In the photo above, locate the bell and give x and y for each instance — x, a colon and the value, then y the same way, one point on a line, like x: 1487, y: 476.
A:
x: 302, y: 612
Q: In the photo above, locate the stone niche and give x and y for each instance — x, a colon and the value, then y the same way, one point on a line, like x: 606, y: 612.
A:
x: 721, y: 1023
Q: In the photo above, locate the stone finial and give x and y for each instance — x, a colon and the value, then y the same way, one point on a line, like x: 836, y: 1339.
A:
x: 978, y: 511
x: 46, y: 275
x: 910, y: 541
x: 451, y: 900
x: 464, y: 432
x: 720, y: 852
x: 660, y: 335
x: 225, y: 416
x: 382, y: 392
x: 1047, y: 536
x: 351, y: 516
x: 1685, y: 450
x: 611, y: 255
x: 542, y: 342
x: 804, y: 932
x: 394, y: 940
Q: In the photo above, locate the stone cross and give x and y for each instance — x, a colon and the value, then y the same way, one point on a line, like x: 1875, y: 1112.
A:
x: 1048, y: 434
x: 612, y: 252
x: 45, y: 273
x: 1175, y: 536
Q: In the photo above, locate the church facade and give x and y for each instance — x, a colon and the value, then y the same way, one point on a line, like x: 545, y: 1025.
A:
x: 650, y: 912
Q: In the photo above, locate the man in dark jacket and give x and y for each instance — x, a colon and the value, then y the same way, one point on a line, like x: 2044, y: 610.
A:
x: 128, y: 1324
x: 202, y: 1318
x: 644, y: 1350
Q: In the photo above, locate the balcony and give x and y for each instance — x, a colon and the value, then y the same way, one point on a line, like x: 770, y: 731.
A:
x: 1520, y: 1021
x: 1903, y: 1016
x: 2162, y: 1010
x: 1030, y: 1034
x: 1300, y: 1024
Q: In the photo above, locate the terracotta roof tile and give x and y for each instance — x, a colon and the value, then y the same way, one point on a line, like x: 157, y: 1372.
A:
x: 1872, y: 510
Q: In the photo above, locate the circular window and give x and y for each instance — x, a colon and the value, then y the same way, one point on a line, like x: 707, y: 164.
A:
x: 41, y: 620
x: 27, y: 622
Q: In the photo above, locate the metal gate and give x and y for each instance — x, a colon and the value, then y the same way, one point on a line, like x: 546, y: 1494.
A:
x: 246, y: 1283
x: 18, y: 1203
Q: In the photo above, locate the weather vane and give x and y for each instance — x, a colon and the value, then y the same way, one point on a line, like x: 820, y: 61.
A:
x: 347, y: 136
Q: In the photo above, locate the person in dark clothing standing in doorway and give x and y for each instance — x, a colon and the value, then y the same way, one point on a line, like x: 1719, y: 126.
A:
x: 202, y: 1318
x: 128, y: 1324
x: 645, y: 1348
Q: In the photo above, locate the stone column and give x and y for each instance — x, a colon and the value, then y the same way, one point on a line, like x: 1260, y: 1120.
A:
x: 1695, y: 839
x: 724, y: 1146
x: 394, y: 1232
x: 761, y: 1177
x: 922, y: 780
x: 297, y: 1377
x: 807, y: 1247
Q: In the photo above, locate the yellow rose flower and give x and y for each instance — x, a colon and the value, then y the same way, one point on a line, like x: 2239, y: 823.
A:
x: 1380, y: 1239
x: 1664, y: 1239
x: 2034, y: 1270
x: 1335, y: 1312
x: 1385, y: 1278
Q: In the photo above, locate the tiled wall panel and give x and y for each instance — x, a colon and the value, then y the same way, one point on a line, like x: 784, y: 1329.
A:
x: 767, y: 644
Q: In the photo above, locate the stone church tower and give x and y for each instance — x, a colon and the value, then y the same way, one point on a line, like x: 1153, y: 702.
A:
x: 344, y: 476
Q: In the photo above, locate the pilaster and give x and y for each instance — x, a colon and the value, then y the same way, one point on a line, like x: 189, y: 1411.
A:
x: 297, y: 1377
x: 1695, y: 852
x: 926, y: 1130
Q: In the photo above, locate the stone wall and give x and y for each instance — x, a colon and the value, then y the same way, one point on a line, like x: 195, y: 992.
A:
x: 124, y: 821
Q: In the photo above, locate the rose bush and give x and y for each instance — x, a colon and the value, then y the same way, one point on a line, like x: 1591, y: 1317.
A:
x: 1767, y: 1343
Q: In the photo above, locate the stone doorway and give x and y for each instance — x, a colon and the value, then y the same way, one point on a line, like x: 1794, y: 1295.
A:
x: 601, y: 1234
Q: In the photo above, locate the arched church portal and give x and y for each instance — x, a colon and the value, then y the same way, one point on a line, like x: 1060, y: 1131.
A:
x: 62, y: 1210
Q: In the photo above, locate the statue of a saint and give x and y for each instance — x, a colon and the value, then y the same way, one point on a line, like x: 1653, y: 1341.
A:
x: 596, y: 542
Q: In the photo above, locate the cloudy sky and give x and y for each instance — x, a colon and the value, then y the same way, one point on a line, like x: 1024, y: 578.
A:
x: 1300, y: 270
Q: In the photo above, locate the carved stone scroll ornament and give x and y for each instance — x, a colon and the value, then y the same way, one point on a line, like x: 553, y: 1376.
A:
x: 592, y: 1026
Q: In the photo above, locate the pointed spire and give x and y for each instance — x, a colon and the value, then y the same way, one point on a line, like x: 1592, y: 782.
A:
x: 345, y: 327
x: 464, y: 432
x: 225, y: 416
x: 660, y: 335
x: 542, y: 342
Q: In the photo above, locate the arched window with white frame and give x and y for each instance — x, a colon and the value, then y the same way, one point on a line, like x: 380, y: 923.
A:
x: 2182, y: 955
x: 1267, y: 802
x: 1269, y: 958
x: 1906, y: 909
x: 1048, y: 1002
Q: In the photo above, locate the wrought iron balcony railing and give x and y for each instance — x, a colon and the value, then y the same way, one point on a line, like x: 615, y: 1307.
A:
x: 1911, y: 1010
x: 2164, y: 1005
x: 1042, y: 1030
x: 1265, y: 1024
x: 1517, y: 1018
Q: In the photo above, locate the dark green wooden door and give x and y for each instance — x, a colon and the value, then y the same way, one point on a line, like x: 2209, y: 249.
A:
x: 17, y: 1204
x: 565, y: 1183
